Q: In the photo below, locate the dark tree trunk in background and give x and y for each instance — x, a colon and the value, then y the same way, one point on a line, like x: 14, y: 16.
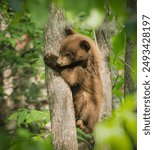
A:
x: 59, y: 94
x: 130, y: 84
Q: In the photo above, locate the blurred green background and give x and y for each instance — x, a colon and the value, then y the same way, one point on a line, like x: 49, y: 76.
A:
x: 24, y: 114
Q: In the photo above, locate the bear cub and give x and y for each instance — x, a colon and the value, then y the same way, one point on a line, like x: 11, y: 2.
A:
x: 78, y: 64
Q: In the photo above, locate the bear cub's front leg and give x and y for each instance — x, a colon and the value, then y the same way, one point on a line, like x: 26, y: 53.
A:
x: 73, y: 76
x: 51, y: 60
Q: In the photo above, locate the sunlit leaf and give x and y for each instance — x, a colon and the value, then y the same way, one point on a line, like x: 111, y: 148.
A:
x: 13, y: 116
x: 118, y: 131
x: 38, y: 116
x: 23, y: 133
x: 22, y: 116
x: 118, y: 43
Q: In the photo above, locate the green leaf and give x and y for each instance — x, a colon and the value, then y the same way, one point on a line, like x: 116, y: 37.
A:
x: 22, y: 117
x: 113, y: 134
x: 131, y: 125
x: 43, y: 75
x: 14, y: 116
x: 36, y: 115
x: 118, y: 43
x: 119, y: 130
x: 5, y: 140
x: 23, y: 133
x: 81, y: 133
x: 83, y: 137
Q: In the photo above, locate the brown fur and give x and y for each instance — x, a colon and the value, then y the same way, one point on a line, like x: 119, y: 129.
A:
x: 78, y: 64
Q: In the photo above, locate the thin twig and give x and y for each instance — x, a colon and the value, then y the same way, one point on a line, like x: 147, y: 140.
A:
x: 115, y: 82
x: 95, y: 39
x: 112, y: 50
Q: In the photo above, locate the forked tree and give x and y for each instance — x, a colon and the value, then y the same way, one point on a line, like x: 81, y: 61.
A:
x: 63, y: 127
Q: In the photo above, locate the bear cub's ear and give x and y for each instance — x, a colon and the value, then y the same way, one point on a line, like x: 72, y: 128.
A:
x: 85, y: 45
x: 69, y: 31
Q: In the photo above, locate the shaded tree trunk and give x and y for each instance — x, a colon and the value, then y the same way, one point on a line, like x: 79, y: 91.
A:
x: 59, y: 94
x: 130, y: 84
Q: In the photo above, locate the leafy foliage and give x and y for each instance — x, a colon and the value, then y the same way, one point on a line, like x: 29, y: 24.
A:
x: 24, y: 139
x: 30, y: 131
x: 86, y: 138
x: 21, y: 45
x: 119, y: 131
x: 27, y: 117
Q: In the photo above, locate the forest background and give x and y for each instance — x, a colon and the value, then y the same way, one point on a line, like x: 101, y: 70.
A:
x: 24, y: 113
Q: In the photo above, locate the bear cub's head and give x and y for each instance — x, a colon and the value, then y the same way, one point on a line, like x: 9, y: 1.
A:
x: 74, y: 49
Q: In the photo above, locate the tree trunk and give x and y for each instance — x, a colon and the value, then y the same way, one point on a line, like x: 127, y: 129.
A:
x: 59, y: 94
x: 101, y: 38
x: 130, y: 84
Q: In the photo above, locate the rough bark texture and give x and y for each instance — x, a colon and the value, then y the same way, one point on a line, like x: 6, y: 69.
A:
x: 59, y: 95
x: 130, y: 85
x: 105, y: 73
x: 101, y: 38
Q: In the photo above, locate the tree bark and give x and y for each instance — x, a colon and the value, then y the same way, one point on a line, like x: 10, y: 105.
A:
x: 130, y: 84
x: 101, y: 38
x: 59, y: 94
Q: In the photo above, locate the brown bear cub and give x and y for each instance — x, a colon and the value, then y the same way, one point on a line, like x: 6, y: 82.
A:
x: 78, y: 64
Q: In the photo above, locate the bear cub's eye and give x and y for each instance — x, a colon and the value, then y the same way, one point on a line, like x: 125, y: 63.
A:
x: 69, y: 55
